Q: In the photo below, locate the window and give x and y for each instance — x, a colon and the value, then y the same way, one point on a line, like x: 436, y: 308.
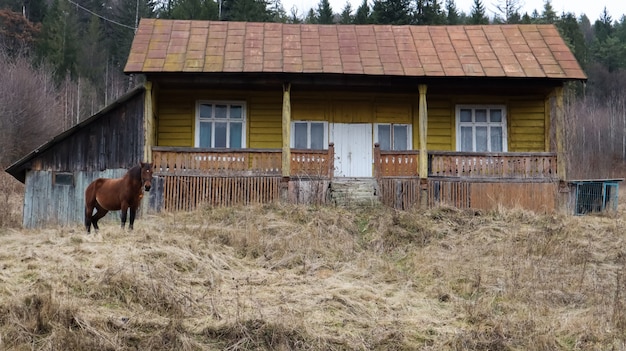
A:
x: 481, y: 128
x: 393, y: 136
x: 63, y: 178
x: 220, y: 124
x: 309, y: 135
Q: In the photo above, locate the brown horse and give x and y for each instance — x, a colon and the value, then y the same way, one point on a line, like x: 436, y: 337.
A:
x: 124, y: 193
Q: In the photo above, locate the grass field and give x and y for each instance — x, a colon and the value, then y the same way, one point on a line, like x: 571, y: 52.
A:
x: 284, y: 277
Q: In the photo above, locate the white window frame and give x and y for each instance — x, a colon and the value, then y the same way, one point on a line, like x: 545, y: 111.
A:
x: 487, y: 124
x: 409, y: 135
x: 227, y: 120
x: 308, y: 136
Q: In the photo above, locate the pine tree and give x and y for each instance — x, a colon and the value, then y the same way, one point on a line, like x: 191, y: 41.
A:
x: 248, y: 11
x: 346, y: 16
x: 92, y: 58
x: 477, y: 16
x: 194, y: 9
x: 452, y: 14
x: 548, y: 15
x: 276, y: 11
x: 311, y: 17
x: 429, y: 12
x: 397, y: 12
x: 324, y: 13
x: 603, y: 27
x: 59, y: 40
x: 362, y: 15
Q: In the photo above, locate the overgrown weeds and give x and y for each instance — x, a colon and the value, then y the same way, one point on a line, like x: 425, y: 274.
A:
x: 286, y: 277
x: 11, y: 199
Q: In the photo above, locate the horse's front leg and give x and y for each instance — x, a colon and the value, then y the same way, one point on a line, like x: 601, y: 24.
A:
x: 133, y: 212
x: 124, y: 211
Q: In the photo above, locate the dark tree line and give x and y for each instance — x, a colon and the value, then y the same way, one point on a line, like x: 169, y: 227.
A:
x: 81, y: 46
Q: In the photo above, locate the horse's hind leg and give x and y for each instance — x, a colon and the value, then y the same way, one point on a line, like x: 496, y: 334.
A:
x: 100, y: 212
x: 88, y: 215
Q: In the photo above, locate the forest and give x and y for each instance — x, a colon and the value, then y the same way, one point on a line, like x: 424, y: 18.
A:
x: 62, y: 60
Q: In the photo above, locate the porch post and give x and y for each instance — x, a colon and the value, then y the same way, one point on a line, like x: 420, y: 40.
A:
x: 148, y: 123
x: 561, y: 160
x: 286, y: 150
x: 423, y: 156
x: 563, y: 193
x: 149, y: 138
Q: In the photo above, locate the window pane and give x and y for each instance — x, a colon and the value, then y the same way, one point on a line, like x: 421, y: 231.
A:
x: 205, y: 134
x: 236, y: 111
x: 317, y: 136
x: 384, y: 136
x: 496, y: 139
x: 481, y: 115
x: 466, y: 139
x: 205, y: 111
x: 235, y: 135
x: 495, y: 116
x: 220, y: 111
x: 466, y: 115
x: 220, y: 134
x: 481, y: 139
x: 300, y: 136
x: 400, y: 138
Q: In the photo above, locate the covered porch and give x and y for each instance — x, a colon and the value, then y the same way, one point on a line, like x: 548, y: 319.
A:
x: 189, y: 177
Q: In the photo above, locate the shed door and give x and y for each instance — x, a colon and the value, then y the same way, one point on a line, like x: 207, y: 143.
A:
x: 353, y: 149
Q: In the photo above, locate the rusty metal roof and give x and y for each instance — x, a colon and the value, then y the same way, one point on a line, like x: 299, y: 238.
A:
x: 521, y: 51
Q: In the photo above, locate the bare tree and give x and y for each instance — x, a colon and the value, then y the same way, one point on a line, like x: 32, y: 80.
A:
x: 509, y: 9
x: 29, y: 111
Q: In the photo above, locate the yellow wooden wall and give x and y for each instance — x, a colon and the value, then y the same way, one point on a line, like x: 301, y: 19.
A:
x: 177, y: 110
x: 527, y: 125
x: 526, y: 117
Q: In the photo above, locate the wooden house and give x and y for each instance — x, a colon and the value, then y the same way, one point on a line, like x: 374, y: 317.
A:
x: 235, y: 112
x: 464, y: 115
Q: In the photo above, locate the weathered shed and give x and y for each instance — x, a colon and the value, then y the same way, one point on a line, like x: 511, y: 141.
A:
x: 56, y: 173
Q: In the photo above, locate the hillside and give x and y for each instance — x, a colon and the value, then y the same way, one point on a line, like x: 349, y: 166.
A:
x: 282, y: 277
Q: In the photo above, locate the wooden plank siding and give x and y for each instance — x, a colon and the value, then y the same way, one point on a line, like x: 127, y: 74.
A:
x: 526, y: 125
x: 176, y: 115
x: 441, y: 124
x: 47, y: 203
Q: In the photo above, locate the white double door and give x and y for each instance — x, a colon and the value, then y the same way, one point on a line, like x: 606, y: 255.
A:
x: 353, y: 149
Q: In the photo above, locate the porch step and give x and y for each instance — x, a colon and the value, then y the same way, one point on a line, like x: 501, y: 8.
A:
x: 354, y: 191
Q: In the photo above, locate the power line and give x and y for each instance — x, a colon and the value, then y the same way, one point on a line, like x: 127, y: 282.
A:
x: 102, y: 17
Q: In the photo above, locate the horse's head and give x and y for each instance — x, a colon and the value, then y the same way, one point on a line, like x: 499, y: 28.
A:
x: 146, y: 175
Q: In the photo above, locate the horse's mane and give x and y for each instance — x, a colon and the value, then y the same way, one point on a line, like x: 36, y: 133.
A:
x: 134, y: 172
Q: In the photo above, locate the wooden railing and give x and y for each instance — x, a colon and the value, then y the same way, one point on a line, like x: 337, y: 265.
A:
x: 241, y: 162
x: 313, y: 163
x: 513, y: 165
x: 191, y: 161
x: 395, y: 163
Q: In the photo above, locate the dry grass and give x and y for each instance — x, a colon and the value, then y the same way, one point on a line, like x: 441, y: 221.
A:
x: 11, y: 200
x: 281, y: 277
